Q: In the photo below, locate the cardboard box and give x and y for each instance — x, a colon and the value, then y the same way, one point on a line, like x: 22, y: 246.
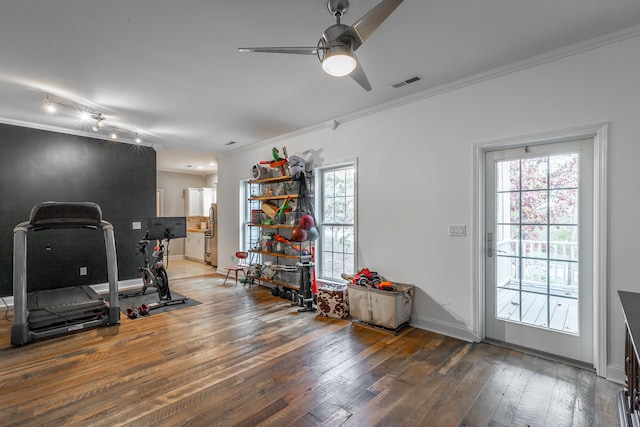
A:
x: 333, y: 301
x: 388, y: 309
x: 270, y: 209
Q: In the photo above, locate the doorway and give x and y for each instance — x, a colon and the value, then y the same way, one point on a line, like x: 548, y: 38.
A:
x: 539, y: 220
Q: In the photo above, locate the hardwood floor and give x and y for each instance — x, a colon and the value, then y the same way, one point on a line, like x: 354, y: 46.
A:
x: 246, y: 358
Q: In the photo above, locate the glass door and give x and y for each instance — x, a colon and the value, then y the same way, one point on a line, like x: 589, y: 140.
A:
x: 538, y: 248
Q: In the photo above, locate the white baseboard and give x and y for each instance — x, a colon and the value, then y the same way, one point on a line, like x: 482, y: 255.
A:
x: 8, y: 300
x: 444, y: 328
x: 123, y: 285
x: 615, y: 374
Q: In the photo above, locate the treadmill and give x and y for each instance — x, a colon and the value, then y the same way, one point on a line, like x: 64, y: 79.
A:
x: 54, y: 312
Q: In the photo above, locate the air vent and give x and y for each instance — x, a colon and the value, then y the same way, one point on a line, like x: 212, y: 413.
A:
x: 230, y: 143
x: 407, y: 82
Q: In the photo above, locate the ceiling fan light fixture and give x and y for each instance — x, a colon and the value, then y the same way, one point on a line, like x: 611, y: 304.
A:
x: 339, y: 61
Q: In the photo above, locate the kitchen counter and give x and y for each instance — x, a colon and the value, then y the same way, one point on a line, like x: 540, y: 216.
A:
x: 195, y: 230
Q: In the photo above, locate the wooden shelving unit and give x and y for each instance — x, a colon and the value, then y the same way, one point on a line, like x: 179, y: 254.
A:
x: 283, y: 226
x: 275, y: 254
x: 268, y: 198
x: 283, y: 229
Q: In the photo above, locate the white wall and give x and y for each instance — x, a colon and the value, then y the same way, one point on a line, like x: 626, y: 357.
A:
x: 415, y: 176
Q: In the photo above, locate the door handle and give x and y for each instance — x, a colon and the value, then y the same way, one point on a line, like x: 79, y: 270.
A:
x: 490, y: 245
x: 490, y: 250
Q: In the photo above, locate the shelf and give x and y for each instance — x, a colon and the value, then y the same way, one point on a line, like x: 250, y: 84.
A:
x: 276, y: 254
x: 272, y: 204
x: 275, y: 282
x: 272, y: 226
x: 275, y: 179
x: 283, y: 197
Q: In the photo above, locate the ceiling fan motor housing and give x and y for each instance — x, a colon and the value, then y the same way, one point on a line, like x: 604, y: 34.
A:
x: 338, y: 7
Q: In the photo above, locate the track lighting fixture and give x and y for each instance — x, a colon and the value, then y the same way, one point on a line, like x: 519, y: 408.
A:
x: 99, y: 118
x: 52, y: 104
x: 49, y: 106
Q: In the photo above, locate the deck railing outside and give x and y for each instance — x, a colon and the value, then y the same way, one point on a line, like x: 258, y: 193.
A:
x: 561, y: 269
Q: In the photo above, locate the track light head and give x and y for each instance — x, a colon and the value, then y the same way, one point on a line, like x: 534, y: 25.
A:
x: 49, y: 105
x: 99, y: 118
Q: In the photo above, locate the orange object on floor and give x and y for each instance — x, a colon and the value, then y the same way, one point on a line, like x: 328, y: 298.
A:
x: 241, y: 266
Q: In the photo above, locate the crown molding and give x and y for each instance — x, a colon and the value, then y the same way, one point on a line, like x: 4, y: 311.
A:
x: 534, y: 61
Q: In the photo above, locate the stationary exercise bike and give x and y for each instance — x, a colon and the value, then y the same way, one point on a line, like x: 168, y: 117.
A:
x: 154, y: 275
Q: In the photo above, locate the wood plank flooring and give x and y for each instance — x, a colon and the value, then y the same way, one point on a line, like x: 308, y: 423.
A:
x: 246, y: 358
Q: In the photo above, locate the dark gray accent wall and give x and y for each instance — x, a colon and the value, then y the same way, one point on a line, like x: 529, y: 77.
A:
x: 37, y: 166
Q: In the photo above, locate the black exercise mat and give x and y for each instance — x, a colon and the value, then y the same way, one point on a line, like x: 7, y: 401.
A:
x: 151, y: 299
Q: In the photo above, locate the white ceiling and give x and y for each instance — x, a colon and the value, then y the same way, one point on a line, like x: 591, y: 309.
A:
x: 170, y: 70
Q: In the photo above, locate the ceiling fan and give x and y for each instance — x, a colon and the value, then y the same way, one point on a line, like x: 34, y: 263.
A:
x: 336, y: 48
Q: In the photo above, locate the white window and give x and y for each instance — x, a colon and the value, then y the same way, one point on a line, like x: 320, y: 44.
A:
x: 249, y: 235
x: 336, y: 188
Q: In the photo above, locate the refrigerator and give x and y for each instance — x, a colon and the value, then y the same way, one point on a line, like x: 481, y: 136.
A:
x: 211, y: 237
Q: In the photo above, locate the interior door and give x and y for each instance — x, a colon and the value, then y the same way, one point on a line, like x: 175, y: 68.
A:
x: 539, y: 248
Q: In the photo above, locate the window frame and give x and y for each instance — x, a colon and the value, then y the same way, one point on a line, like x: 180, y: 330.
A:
x: 319, y: 175
x: 245, y: 240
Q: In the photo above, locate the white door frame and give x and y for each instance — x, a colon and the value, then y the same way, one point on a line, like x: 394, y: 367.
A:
x: 600, y: 134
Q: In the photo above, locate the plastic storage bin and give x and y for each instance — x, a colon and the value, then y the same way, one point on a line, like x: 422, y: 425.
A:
x: 388, y: 309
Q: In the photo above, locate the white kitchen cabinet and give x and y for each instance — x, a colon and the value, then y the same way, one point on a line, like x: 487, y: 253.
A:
x: 194, y: 246
x: 198, y: 201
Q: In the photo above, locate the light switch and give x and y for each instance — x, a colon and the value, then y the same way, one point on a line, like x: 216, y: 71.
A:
x: 457, y: 230
x: 137, y: 225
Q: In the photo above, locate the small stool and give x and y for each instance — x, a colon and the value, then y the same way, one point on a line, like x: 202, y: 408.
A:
x: 242, y: 258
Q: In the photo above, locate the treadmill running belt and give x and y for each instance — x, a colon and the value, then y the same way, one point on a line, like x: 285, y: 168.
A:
x: 64, y: 306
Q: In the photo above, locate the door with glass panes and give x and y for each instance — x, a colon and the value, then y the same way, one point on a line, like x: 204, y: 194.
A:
x: 539, y: 244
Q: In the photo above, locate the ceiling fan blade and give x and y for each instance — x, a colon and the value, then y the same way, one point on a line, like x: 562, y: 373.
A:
x: 366, y: 25
x: 293, y: 50
x: 359, y: 76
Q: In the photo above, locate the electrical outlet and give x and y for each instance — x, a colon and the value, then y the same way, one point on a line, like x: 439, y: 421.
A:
x: 83, y: 271
x: 137, y: 225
